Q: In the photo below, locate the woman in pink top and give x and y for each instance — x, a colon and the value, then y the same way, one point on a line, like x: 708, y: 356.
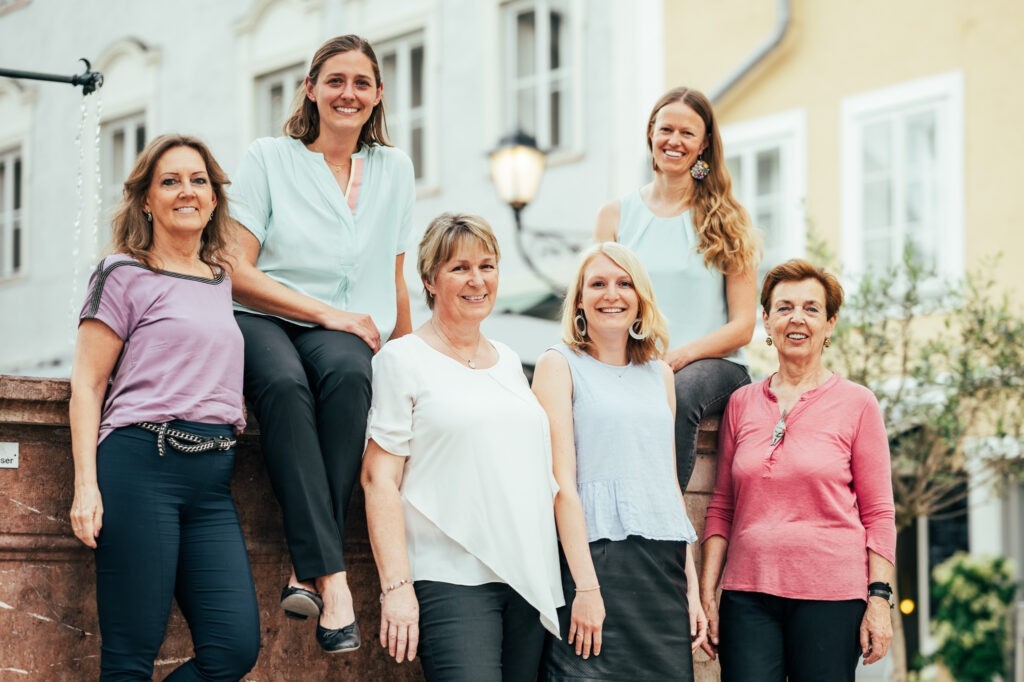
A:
x: 802, y: 507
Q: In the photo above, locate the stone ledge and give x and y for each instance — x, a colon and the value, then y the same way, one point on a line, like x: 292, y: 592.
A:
x: 47, y: 580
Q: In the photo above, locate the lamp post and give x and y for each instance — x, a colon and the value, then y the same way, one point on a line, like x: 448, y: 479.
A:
x: 516, y: 169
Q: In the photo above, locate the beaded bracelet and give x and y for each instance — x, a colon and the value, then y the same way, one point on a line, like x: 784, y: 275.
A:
x: 392, y: 587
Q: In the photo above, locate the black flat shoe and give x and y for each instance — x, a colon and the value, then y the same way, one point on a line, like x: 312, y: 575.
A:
x: 338, y: 640
x: 300, y: 603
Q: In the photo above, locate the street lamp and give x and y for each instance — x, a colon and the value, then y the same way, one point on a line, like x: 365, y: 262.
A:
x: 516, y: 169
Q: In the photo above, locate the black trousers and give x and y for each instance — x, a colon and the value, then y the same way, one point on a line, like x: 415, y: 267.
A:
x: 702, y: 390
x: 478, y: 633
x: 765, y: 638
x: 310, y: 390
x: 170, y: 530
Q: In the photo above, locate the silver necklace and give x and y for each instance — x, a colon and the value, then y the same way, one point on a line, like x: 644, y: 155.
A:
x: 472, y: 360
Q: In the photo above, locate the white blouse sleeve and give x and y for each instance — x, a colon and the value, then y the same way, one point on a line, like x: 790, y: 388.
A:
x: 390, y: 420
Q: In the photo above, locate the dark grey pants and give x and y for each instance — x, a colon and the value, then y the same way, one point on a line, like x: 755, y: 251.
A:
x: 765, y: 638
x: 702, y: 390
x: 310, y: 390
x: 478, y: 633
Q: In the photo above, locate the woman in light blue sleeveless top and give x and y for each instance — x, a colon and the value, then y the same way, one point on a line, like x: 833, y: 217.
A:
x: 697, y: 243
x: 627, y: 568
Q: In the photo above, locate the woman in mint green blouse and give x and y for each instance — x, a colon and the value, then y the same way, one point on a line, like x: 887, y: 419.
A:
x: 318, y: 285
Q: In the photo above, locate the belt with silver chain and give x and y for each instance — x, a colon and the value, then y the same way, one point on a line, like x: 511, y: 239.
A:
x: 183, y: 441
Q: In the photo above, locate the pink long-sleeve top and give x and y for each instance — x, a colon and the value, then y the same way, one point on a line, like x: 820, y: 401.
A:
x: 800, y: 516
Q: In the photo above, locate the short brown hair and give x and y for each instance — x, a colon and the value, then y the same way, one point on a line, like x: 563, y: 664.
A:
x: 443, y: 237
x: 796, y: 270
x: 133, y: 234
x: 304, y: 123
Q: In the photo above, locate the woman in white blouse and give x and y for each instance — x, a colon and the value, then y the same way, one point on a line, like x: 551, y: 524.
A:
x: 457, y: 477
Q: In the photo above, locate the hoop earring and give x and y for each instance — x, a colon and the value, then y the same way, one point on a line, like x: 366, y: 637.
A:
x: 635, y: 330
x: 700, y: 169
x: 828, y: 342
x: 768, y: 340
x: 580, y: 323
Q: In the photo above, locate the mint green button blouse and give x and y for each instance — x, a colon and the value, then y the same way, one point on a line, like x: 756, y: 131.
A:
x: 311, y: 241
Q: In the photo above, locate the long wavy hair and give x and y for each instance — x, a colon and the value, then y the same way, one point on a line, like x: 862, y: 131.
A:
x: 304, y: 123
x: 725, y: 234
x: 133, y: 234
x: 652, y: 322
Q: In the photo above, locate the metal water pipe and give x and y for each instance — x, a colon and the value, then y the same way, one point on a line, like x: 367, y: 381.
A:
x: 89, y: 80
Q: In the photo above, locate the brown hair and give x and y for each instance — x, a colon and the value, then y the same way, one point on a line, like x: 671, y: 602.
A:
x: 304, y: 123
x: 133, y: 234
x: 797, y: 270
x: 724, y: 231
x: 652, y: 322
x: 443, y: 237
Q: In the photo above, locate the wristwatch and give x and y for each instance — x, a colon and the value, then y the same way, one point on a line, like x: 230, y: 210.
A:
x: 880, y: 589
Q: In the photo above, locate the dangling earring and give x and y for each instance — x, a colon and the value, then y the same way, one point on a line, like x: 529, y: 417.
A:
x: 149, y: 216
x: 828, y: 342
x: 580, y: 323
x: 634, y: 330
x: 700, y: 169
x: 768, y: 340
x: 211, y: 216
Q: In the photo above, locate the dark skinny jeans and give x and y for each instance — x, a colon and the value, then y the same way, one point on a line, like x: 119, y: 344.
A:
x: 170, y: 530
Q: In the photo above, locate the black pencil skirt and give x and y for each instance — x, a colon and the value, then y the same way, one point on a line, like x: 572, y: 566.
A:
x: 646, y: 633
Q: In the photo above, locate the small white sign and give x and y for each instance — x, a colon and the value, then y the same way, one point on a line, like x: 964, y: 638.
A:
x: 8, y: 455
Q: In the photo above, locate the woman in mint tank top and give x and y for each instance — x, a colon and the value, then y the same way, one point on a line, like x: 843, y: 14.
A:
x: 700, y: 249
x: 628, y: 573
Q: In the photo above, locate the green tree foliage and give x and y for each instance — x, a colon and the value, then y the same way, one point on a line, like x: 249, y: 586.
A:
x: 946, y: 361
x: 973, y: 597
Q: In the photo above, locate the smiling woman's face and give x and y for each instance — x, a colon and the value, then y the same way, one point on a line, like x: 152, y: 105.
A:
x: 608, y: 299
x: 466, y: 286
x: 180, y: 196
x: 797, y: 321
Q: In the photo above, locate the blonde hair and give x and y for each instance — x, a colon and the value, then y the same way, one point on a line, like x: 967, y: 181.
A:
x: 304, y: 123
x: 725, y: 234
x: 652, y: 322
x: 133, y: 234
x: 445, y: 234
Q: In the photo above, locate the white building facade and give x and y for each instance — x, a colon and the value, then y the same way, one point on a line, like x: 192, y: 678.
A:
x: 578, y: 75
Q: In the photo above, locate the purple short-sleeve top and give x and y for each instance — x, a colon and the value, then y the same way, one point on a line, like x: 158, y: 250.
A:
x: 183, y: 351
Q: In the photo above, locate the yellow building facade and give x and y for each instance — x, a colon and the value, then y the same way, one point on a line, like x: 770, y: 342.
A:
x: 904, y: 115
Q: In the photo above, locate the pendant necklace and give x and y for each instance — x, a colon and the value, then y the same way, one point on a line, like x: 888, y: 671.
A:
x: 472, y: 360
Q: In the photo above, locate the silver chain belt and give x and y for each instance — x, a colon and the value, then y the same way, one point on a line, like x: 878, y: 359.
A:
x: 183, y: 441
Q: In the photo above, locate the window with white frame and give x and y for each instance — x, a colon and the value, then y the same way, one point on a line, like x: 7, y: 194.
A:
x: 403, y: 71
x: 121, y: 140
x: 766, y: 159
x: 902, y: 175
x: 275, y: 92
x: 538, y: 74
x: 11, y: 233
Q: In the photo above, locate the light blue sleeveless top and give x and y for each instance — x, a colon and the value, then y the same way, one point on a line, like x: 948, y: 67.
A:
x: 625, y: 468
x: 689, y: 294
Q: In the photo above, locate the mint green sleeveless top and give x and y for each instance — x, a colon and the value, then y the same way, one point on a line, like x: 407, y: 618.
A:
x: 689, y: 294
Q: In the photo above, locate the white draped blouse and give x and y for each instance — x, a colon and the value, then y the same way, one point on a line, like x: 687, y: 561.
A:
x: 478, y: 489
